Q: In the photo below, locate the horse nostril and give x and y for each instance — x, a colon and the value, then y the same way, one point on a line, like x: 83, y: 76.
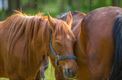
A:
x: 69, y: 72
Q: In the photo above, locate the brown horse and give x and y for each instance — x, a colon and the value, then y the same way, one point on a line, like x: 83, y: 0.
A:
x: 77, y: 19
x: 99, y: 36
x: 26, y: 41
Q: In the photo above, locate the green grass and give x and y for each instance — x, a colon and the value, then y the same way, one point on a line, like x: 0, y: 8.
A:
x: 4, y: 79
x: 50, y: 75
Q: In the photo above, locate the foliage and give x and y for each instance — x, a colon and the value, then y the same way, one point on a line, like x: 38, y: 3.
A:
x: 55, y: 7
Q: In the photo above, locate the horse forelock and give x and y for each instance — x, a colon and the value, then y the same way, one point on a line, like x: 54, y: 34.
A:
x: 64, y: 29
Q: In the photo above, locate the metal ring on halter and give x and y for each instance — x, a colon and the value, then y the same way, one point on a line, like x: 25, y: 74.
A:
x: 59, y: 57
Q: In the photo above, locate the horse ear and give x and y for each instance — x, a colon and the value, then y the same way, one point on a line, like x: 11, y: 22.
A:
x: 51, y: 23
x: 69, y: 19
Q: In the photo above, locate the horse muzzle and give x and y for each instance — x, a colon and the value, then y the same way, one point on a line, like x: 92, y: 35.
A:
x: 69, y: 73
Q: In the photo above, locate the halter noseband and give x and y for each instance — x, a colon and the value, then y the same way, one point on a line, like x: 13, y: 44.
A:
x: 57, y: 56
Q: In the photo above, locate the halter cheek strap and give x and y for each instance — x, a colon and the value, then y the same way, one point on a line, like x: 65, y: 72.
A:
x: 59, y: 57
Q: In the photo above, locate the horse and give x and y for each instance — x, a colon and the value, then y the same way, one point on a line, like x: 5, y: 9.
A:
x: 77, y: 19
x: 26, y: 41
x: 100, y: 44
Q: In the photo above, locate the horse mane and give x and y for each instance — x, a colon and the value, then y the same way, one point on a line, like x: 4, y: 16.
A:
x: 25, y: 28
x: 63, y: 15
x: 63, y: 30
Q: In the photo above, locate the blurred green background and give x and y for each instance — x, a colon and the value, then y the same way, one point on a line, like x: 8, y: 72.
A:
x: 55, y: 7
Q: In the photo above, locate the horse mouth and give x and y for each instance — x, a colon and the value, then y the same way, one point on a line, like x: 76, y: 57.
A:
x: 70, y: 77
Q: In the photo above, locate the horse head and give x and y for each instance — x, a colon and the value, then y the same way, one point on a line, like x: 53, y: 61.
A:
x: 61, y: 45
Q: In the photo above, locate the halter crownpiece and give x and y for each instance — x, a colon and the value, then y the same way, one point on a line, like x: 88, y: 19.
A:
x: 59, y: 57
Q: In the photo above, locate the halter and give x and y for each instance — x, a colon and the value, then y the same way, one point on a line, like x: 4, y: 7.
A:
x: 57, y: 56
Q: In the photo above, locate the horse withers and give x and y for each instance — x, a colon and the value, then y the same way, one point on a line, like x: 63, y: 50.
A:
x: 26, y: 41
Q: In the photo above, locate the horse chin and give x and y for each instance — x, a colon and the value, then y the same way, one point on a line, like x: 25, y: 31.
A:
x: 70, y: 78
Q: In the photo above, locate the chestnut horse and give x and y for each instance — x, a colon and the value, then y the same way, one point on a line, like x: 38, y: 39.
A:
x: 76, y: 26
x: 77, y: 19
x: 26, y: 41
x: 100, y: 40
